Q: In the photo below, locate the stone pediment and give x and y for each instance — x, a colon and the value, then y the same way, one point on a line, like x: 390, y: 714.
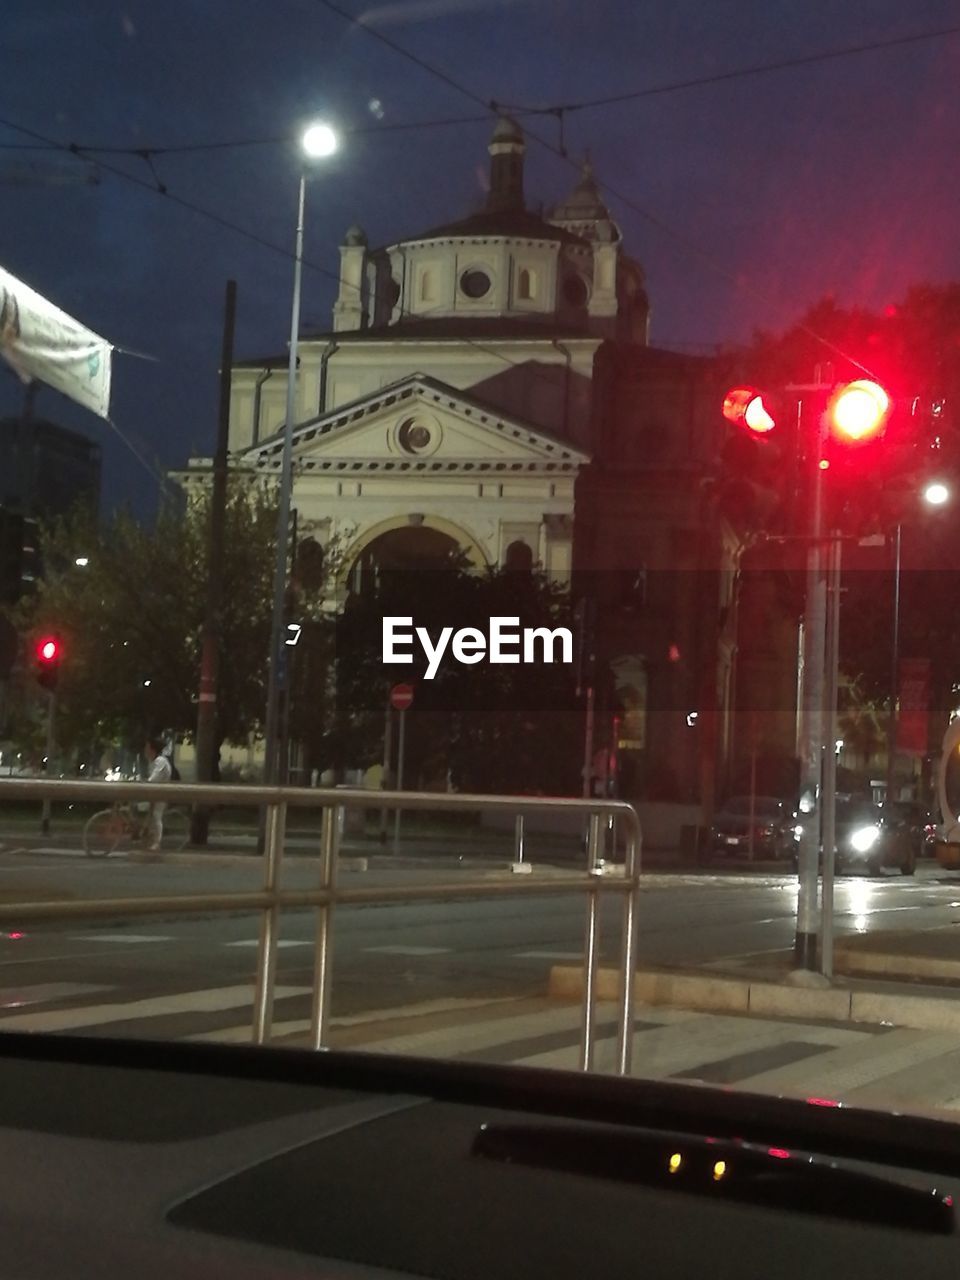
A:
x: 418, y: 424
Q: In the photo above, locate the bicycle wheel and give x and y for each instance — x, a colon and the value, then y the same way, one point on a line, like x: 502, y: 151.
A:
x: 176, y: 830
x: 104, y: 832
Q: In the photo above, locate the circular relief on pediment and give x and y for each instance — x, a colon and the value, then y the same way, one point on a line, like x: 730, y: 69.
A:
x: 418, y: 436
x: 475, y: 283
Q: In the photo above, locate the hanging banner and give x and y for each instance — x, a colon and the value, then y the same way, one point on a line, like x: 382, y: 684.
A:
x: 913, y: 722
x: 42, y: 342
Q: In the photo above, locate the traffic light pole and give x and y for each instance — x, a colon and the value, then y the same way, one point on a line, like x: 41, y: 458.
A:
x: 828, y: 824
x: 811, y: 736
x: 51, y: 742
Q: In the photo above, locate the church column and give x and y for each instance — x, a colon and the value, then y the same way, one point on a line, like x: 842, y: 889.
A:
x: 558, y: 546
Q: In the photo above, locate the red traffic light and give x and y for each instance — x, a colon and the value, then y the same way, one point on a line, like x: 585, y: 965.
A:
x: 47, y: 655
x: 858, y: 411
x: 48, y: 650
x: 745, y: 406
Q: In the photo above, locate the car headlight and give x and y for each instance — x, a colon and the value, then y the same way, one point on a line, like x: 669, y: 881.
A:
x: 864, y: 838
x: 798, y: 832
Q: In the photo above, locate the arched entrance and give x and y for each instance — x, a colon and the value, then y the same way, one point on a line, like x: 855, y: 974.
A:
x: 407, y: 549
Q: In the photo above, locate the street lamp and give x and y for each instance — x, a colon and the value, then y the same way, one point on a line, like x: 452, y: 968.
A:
x: 317, y: 141
x: 935, y: 494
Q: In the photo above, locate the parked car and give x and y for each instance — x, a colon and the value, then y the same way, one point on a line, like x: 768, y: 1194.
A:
x: 773, y: 822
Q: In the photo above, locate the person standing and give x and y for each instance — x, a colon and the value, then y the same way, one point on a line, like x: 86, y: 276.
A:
x: 160, y: 770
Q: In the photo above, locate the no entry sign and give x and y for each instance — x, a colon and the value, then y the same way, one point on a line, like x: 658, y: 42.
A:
x: 401, y: 696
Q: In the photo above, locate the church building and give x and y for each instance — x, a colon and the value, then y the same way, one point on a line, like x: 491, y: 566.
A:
x: 454, y: 403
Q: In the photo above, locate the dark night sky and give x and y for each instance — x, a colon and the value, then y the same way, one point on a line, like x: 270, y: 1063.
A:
x: 768, y: 191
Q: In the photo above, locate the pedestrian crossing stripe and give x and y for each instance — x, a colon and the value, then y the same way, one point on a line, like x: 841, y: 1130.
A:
x: 209, y: 1000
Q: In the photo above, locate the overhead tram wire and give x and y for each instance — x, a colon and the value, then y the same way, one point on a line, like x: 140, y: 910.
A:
x: 235, y: 144
x: 739, y: 73
x: 689, y: 245
x: 90, y: 153
x: 517, y: 109
x: 164, y: 191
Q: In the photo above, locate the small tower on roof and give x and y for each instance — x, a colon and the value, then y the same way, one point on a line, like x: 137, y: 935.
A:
x: 506, y: 149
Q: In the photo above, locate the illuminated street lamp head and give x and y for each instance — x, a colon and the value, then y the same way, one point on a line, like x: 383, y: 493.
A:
x: 936, y: 493
x: 318, y: 140
x: 859, y: 410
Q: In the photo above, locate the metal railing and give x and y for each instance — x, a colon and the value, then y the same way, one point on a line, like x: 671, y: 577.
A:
x: 597, y: 878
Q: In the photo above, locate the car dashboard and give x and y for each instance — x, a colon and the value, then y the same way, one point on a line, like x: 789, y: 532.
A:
x: 125, y: 1158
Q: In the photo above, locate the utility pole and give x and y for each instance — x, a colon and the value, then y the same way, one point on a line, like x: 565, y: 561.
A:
x: 811, y: 731
x: 894, y: 673
x: 828, y: 824
x: 207, y: 733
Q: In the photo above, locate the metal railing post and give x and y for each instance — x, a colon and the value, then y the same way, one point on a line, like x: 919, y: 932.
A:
x: 323, y: 955
x: 629, y: 955
x: 269, y: 922
x: 590, y: 948
x: 271, y: 899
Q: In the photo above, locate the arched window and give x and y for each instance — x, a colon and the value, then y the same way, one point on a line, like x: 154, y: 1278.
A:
x: 519, y: 557
x: 526, y: 284
x: 309, y: 568
x: 426, y: 286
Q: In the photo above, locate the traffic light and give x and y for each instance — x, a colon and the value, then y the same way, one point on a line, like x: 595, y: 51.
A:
x: 745, y: 406
x: 858, y: 456
x: 48, y: 654
x: 858, y: 411
x: 758, y: 476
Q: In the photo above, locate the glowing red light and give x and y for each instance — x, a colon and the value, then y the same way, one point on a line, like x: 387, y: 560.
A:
x: 823, y: 1102
x: 778, y: 1153
x: 745, y: 407
x: 48, y: 650
x: 859, y: 410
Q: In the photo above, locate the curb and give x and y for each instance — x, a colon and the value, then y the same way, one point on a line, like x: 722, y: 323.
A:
x: 765, y: 998
x: 891, y: 965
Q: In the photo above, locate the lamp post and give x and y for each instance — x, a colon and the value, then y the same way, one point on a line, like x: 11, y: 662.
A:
x: 317, y: 141
x: 935, y: 494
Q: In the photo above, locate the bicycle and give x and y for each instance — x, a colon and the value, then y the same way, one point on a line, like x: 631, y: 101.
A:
x: 121, y: 826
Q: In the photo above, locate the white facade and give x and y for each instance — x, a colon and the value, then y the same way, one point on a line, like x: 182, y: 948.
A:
x: 454, y: 390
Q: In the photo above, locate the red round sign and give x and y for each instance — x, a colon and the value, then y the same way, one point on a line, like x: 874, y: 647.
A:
x: 401, y: 696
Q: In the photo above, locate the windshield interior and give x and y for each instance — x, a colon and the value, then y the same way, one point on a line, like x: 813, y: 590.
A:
x: 456, y: 456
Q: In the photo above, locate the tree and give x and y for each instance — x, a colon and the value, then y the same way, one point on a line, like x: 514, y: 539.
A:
x: 130, y: 619
x: 488, y: 728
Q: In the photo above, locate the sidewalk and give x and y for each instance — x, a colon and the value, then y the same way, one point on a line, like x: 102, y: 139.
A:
x: 907, y: 978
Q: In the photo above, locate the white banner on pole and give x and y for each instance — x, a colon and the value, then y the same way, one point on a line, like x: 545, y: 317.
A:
x: 42, y: 342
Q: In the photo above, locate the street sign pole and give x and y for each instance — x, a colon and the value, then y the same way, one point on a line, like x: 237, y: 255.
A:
x: 400, y: 746
x: 401, y: 699
x: 387, y: 756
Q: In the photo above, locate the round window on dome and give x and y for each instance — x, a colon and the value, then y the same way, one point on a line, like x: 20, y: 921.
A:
x: 413, y: 436
x: 575, y: 291
x: 475, y: 283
